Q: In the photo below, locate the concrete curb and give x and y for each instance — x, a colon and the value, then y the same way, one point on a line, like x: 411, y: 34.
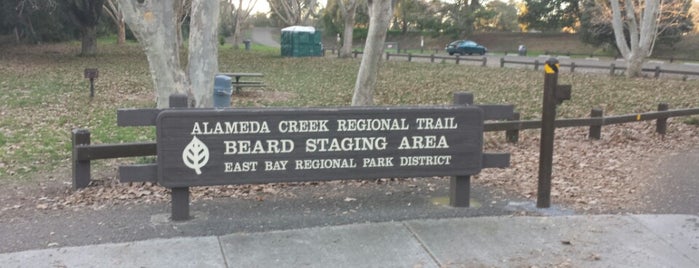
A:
x: 504, y: 241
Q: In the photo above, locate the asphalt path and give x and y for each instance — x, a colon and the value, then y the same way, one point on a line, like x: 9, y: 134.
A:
x: 286, y: 207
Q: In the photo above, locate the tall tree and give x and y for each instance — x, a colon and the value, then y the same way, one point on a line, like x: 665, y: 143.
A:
x: 550, y: 15
x: 380, y: 13
x: 459, y: 18
x: 293, y: 12
x: 349, y: 12
x: 642, y: 27
x: 241, y: 16
x: 114, y: 12
x: 86, y: 14
x: 154, y: 24
x: 596, y: 22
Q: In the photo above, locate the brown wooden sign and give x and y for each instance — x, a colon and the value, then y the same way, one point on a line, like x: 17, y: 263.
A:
x: 240, y: 146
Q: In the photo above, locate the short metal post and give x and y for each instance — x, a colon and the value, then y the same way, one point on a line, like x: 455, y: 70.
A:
x: 410, y: 57
x: 661, y: 123
x: 457, y: 59
x: 657, y: 71
x: 388, y: 55
x: 596, y: 130
x: 460, y: 186
x: 485, y: 61
x: 572, y: 67
x: 431, y: 57
x: 502, y: 62
x: 512, y: 136
x: 92, y: 88
x: 81, y: 168
x: 536, y: 65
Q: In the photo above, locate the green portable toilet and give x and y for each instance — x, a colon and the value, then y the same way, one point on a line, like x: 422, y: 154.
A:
x: 301, y: 41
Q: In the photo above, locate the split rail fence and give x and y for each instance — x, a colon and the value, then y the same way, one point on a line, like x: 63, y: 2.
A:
x: 612, y: 67
x: 84, y: 151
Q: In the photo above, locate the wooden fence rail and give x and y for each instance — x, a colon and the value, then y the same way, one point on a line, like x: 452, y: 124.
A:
x: 84, y: 151
x: 612, y: 67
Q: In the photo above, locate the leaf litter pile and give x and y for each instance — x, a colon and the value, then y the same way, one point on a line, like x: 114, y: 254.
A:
x: 607, y: 175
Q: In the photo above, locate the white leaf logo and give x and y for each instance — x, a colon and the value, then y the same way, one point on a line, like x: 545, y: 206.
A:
x: 195, y: 155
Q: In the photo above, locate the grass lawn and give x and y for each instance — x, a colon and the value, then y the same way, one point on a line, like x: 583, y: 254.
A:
x: 43, y: 94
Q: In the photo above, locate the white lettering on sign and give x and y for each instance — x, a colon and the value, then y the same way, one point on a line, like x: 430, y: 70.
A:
x: 372, y: 124
x: 378, y: 162
x: 436, y: 123
x: 346, y: 144
x: 303, y: 126
x: 258, y: 146
x: 423, y: 142
x: 240, y: 166
x: 326, y: 163
x: 225, y: 128
x: 275, y: 165
x: 433, y: 160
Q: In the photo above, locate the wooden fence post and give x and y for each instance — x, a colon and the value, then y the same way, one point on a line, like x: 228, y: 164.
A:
x: 572, y: 67
x: 485, y: 61
x: 612, y: 69
x: 388, y: 55
x: 596, y: 130
x: 81, y: 168
x: 512, y: 136
x: 661, y: 123
x: 502, y: 62
x: 457, y: 59
x: 431, y: 57
x: 536, y: 65
x: 460, y: 186
x: 657, y: 71
x: 410, y: 57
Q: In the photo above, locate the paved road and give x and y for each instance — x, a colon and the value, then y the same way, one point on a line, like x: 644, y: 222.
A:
x: 266, y: 36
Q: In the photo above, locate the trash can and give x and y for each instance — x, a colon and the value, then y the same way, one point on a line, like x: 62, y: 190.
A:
x: 522, y: 50
x: 247, y: 44
x: 222, y: 91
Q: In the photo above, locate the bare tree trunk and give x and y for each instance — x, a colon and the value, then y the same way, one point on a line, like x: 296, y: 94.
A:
x: 642, y: 29
x: 114, y: 12
x: 236, y: 35
x: 380, y: 13
x: 203, y: 50
x: 153, y: 23
x: 349, y: 12
x: 121, y: 32
x: 89, y: 41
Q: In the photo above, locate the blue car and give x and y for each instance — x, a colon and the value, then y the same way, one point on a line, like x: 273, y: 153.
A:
x: 464, y: 47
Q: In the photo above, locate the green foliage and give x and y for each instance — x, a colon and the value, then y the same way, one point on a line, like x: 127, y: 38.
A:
x: 550, y: 15
x: 497, y: 16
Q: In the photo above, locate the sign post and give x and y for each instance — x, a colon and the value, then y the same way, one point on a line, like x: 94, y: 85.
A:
x: 553, y: 95
x: 242, y: 146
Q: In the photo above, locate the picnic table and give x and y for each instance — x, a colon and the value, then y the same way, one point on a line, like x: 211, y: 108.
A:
x: 237, y: 83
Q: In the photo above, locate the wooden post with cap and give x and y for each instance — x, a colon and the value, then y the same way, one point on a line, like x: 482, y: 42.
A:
x: 548, y: 117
